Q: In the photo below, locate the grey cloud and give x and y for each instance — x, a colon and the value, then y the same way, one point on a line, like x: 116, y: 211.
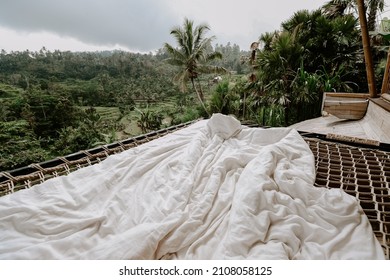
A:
x: 144, y: 25
x: 136, y: 24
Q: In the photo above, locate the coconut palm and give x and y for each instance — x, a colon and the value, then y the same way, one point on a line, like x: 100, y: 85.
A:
x: 192, y: 56
x: 335, y: 8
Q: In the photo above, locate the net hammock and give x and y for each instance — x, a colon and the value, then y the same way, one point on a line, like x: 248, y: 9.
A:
x: 361, y: 172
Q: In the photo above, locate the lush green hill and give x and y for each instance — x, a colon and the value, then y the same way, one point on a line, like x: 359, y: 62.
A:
x: 55, y: 103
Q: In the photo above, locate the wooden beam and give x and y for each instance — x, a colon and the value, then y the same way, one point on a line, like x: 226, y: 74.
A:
x: 367, y: 49
x: 386, y: 80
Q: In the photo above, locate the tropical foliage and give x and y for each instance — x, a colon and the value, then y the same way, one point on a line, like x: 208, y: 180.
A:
x: 336, y: 8
x: 314, y: 52
x: 54, y: 103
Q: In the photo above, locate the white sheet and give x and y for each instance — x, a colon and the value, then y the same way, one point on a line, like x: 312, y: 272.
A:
x: 214, y: 190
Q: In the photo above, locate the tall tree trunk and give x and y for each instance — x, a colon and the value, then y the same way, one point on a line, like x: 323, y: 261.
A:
x: 263, y: 115
x: 199, y: 97
x: 244, y: 107
x: 286, y: 114
x: 200, y: 90
x: 367, y: 49
x: 372, y: 11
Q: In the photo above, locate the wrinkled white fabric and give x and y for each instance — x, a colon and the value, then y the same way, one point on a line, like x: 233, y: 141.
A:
x: 214, y: 190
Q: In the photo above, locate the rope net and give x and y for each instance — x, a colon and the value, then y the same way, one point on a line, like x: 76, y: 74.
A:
x: 362, y: 173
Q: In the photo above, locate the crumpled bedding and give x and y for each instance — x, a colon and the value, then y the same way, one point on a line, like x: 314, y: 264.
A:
x: 214, y: 190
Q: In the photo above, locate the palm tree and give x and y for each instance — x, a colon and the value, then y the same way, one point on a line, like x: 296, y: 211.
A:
x: 277, y: 70
x: 192, y: 56
x: 373, y: 7
x: 328, y: 42
x: 335, y: 8
x: 289, y: 63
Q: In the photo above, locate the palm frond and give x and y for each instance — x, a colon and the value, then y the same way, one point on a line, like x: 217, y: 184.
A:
x: 199, y: 33
x: 213, y: 56
x: 178, y: 33
x: 189, y: 39
x: 176, y: 57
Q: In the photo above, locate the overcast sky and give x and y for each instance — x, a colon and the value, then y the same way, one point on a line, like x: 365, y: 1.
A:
x: 135, y: 25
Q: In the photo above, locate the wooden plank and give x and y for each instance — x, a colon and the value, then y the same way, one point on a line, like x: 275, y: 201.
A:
x: 346, y: 109
x: 337, y: 100
x: 350, y: 106
x: 382, y: 102
x: 343, y: 104
x: 346, y: 94
x: 376, y: 122
x: 341, y: 108
x: 386, y: 97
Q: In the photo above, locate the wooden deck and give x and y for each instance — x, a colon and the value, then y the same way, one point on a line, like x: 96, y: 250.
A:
x: 374, y: 126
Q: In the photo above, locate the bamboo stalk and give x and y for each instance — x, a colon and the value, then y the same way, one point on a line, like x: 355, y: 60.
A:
x: 367, y: 49
x: 386, y: 81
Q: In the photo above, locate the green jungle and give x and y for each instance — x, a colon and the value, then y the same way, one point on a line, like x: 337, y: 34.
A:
x: 54, y: 103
